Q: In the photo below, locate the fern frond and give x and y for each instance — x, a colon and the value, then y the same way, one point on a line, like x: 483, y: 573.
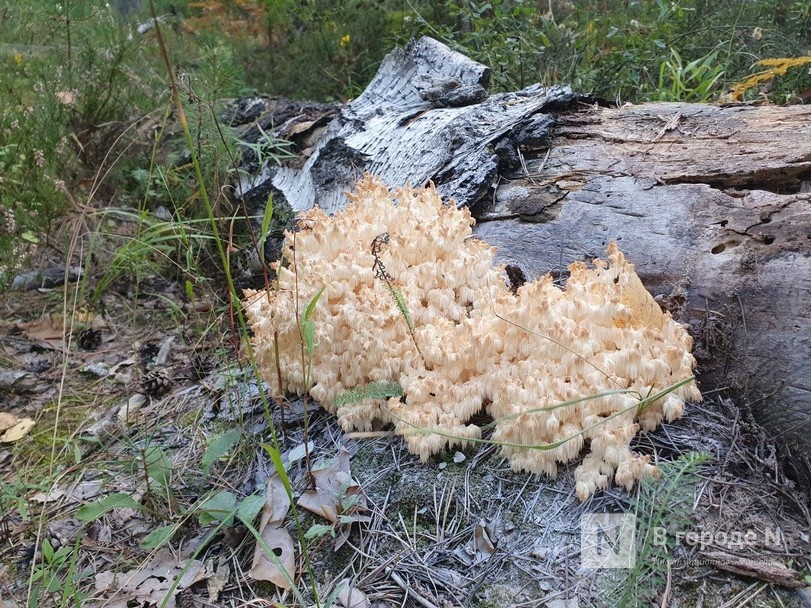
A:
x: 399, y: 301
x: 373, y: 390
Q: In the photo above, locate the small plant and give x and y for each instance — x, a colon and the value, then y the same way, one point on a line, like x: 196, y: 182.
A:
x: 373, y: 390
x: 347, y: 514
x: 308, y: 344
x: 174, y: 247
x: 693, y: 82
x: 269, y: 149
x: 378, y: 244
x: 659, y: 505
x: 55, y: 575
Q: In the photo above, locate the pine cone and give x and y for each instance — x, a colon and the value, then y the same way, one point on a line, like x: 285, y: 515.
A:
x: 89, y: 339
x: 157, y: 382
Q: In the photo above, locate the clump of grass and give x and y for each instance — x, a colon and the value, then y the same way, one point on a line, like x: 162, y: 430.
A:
x: 662, y: 509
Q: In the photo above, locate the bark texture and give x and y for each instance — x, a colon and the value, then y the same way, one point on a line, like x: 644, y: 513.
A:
x: 426, y: 116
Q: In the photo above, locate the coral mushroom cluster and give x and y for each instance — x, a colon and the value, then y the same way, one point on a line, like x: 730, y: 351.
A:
x: 557, y: 369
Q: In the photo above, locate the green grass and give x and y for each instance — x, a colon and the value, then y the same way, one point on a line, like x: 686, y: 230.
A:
x: 662, y: 509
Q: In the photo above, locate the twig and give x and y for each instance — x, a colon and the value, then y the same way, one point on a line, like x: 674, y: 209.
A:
x: 367, y: 434
x: 409, y: 591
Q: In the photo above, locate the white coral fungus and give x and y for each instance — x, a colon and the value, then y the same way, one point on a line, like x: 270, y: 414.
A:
x: 598, y: 345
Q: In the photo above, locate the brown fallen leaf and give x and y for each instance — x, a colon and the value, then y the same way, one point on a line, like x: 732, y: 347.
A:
x: 280, y: 569
x: 67, y: 98
x: 47, y: 327
x: 335, y: 493
x: 7, y: 420
x: 352, y: 597
x: 81, y: 492
x: 18, y: 431
x: 151, y: 584
x: 217, y: 578
x: 480, y: 547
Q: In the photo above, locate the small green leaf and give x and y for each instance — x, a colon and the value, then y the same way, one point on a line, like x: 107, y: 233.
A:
x: 308, y: 331
x: 30, y: 237
x: 266, y: 218
x: 94, y: 510
x: 219, y: 507
x: 158, y: 466
x: 158, y: 537
x: 250, y: 507
x: 311, y: 306
x: 347, y: 519
x: 276, y: 458
x: 319, y: 530
x: 218, y: 446
x: 348, y: 502
x: 142, y: 176
x: 47, y: 551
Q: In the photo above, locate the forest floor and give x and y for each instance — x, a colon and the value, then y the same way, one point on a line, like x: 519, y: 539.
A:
x: 145, y: 462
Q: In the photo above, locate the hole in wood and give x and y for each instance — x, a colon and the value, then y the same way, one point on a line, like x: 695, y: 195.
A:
x: 768, y: 239
x: 277, y: 551
x: 718, y: 248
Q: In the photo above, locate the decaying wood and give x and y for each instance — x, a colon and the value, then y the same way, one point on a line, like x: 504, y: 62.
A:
x: 425, y: 116
x: 769, y: 571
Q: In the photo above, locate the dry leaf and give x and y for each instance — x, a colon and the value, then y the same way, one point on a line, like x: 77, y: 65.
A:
x: 352, y: 597
x: 280, y: 569
x: 48, y: 331
x: 300, y: 127
x: 51, y: 495
x: 17, y: 381
x: 478, y: 548
x: 84, y: 315
x: 48, y: 327
x: 150, y: 585
x: 217, y: 579
x: 333, y: 484
x: 7, y: 420
x: 67, y: 98
x: 81, y: 492
x: 18, y: 431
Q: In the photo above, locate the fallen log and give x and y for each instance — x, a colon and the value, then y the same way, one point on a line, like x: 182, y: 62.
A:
x: 712, y: 204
